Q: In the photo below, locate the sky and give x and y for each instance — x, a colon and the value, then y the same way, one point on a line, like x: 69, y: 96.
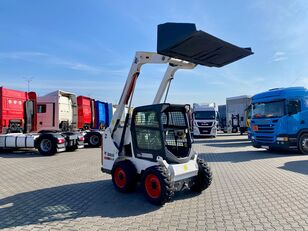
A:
x: 87, y: 47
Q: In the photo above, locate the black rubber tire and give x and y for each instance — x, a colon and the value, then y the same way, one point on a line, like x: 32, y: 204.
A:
x: 166, y: 185
x: 47, y: 151
x: 204, y: 177
x: 303, y: 144
x: 130, y: 172
x: 95, y: 140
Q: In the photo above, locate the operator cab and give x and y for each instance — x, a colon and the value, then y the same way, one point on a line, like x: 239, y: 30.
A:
x: 162, y: 130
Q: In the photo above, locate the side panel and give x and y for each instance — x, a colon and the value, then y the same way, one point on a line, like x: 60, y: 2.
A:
x: 110, y: 113
x: 46, y: 116
x: 12, y: 106
x: 299, y: 121
x: 100, y: 114
x: 33, y: 97
x: 1, y: 110
x: 84, y: 111
x: 65, y: 109
x: 109, y: 153
x: 184, y: 171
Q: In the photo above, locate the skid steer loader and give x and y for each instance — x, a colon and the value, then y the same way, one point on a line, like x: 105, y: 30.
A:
x: 154, y: 145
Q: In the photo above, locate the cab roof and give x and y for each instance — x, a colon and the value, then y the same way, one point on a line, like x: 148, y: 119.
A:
x: 279, y: 94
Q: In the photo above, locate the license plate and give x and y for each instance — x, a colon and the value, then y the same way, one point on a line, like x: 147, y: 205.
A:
x: 73, y: 137
x: 266, y: 147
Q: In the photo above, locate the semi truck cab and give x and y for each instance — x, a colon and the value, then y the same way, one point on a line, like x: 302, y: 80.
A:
x: 280, y: 119
x: 57, y: 112
x: 93, y: 117
x: 17, y: 111
x: 205, y: 120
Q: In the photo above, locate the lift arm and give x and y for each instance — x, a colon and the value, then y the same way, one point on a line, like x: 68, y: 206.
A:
x: 174, y: 65
x: 140, y: 59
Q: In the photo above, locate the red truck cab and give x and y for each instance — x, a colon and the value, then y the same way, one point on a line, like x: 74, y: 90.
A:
x: 85, y: 112
x: 17, y: 111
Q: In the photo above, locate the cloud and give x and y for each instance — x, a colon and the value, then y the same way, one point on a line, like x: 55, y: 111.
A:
x: 40, y: 57
x: 279, y: 56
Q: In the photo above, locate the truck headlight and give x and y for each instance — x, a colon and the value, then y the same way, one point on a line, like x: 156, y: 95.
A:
x: 282, y: 138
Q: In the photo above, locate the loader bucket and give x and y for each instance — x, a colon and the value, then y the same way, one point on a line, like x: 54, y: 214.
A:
x: 183, y: 41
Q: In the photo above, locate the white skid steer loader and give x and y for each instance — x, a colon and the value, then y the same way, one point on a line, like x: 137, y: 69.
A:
x: 154, y: 145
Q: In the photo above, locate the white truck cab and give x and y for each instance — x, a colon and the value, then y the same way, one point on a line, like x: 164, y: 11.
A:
x: 57, y: 111
x: 205, y: 119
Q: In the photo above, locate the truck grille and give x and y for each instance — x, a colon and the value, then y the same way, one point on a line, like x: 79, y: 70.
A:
x: 205, y: 130
x: 266, y: 128
x: 205, y: 123
x: 265, y: 139
x: 265, y: 133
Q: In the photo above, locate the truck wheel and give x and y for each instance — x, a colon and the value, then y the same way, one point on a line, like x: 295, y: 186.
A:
x: 47, y: 147
x: 124, y: 176
x: 94, y: 140
x: 157, y: 185
x: 303, y: 143
x: 204, y: 177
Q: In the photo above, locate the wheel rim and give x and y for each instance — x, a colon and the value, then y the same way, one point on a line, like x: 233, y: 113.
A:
x: 120, y: 177
x: 46, y: 145
x: 152, y: 186
x: 94, y: 140
x: 305, y: 143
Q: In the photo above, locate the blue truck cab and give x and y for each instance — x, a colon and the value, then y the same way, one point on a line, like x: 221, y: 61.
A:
x: 103, y: 114
x: 280, y: 119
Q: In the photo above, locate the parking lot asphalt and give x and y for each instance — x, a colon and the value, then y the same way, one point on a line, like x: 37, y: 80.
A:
x: 251, y: 190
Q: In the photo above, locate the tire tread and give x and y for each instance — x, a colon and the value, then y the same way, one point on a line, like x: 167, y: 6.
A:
x: 204, y: 177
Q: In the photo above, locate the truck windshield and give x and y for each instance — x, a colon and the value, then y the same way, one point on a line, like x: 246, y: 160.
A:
x: 205, y: 115
x: 269, y: 109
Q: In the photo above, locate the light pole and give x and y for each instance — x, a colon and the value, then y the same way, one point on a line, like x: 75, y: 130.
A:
x: 29, y: 80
